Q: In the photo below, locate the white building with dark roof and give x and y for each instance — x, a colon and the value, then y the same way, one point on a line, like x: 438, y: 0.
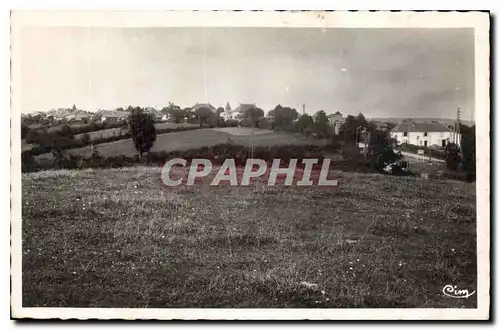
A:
x: 238, y: 112
x: 112, y: 116
x: 426, y: 134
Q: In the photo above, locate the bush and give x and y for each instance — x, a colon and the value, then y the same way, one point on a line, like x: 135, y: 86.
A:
x: 231, y: 123
x: 247, y: 122
x: 28, y: 163
x: 217, y: 154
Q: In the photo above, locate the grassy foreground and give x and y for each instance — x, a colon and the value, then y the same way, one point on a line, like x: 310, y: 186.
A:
x: 120, y: 238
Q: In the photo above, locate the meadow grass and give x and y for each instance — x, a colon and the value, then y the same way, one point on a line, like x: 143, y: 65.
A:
x: 197, y: 139
x: 120, y: 238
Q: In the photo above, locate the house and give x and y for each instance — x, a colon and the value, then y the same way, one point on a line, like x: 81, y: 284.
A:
x: 336, y: 120
x: 424, y: 134
x: 238, y: 112
x: 78, y: 116
x: 228, y: 112
x: 112, y: 116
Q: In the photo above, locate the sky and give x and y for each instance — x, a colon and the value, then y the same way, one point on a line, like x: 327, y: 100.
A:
x: 378, y: 72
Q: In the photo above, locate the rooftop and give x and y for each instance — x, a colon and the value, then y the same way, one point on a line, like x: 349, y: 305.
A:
x: 412, y: 126
x: 113, y: 113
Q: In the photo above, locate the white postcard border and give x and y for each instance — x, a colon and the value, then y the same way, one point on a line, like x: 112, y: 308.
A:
x: 382, y: 19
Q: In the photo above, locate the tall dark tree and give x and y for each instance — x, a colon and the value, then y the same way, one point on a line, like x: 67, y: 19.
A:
x: 452, y: 156
x: 305, y: 124
x: 379, y: 150
x: 143, y: 130
x: 283, y: 116
x: 321, y: 127
x: 353, y: 126
x: 468, y: 146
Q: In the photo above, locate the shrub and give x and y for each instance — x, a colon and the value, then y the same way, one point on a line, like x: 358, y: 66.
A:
x: 231, y: 123
x: 264, y: 124
x: 27, y: 162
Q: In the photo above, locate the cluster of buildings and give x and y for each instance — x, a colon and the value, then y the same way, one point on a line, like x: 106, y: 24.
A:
x: 408, y: 131
x: 425, y: 134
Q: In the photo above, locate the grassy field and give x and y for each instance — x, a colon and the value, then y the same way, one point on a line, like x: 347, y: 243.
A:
x: 197, y: 139
x: 120, y: 238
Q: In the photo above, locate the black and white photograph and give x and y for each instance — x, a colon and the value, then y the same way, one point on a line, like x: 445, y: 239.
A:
x: 250, y: 165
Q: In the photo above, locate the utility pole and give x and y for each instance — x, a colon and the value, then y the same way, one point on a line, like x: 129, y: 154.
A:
x: 367, y: 140
x: 457, y: 128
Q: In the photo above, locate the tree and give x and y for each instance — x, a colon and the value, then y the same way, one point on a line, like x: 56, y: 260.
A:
x: 264, y: 124
x: 350, y: 130
x: 305, y: 124
x: 253, y: 115
x: 73, y: 108
x: 321, y: 128
x: 58, y: 157
x: 219, y: 110
x: 283, y: 116
x: 94, y: 153
x: 203, y: 115
x: 143, y: 130
x: 379, y: 149
x: 468, y: 144
x: 176, y: 115
x: 452, y: 156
